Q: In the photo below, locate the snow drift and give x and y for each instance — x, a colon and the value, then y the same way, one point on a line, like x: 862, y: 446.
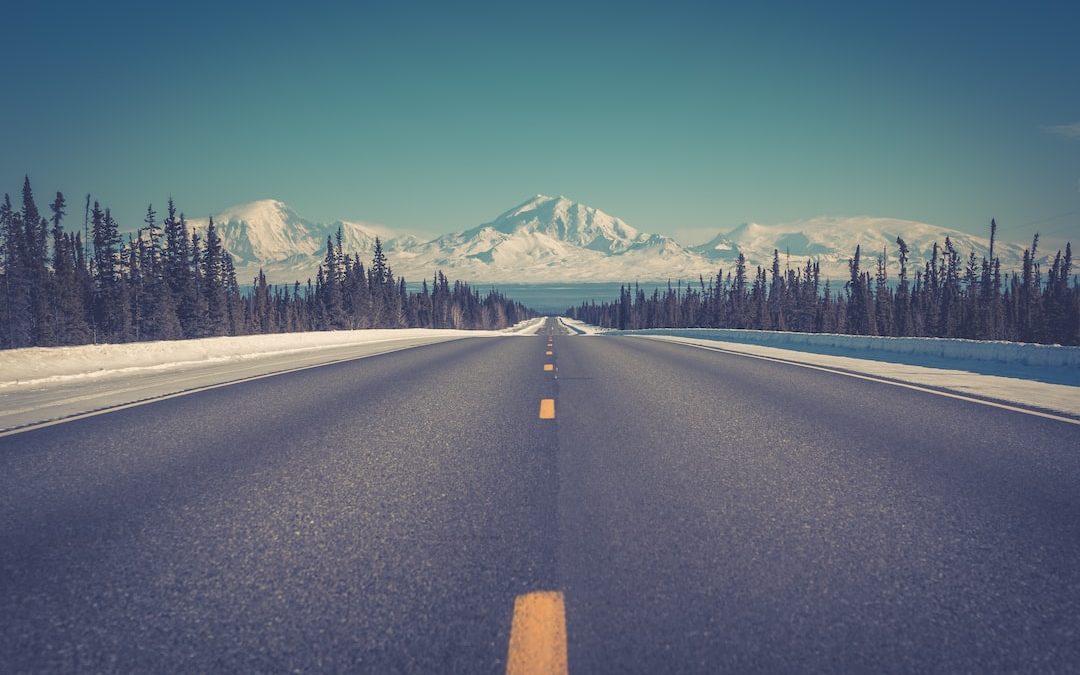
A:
x: 40, y: 366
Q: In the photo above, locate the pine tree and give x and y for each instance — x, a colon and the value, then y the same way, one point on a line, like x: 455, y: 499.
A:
x: 990, y: 292
x: 213, y: 283
x: 949, y: 306
x: 111, y: 319
x: 179, y: 273
x: 883, y: 301
x: 35, y: 261
x: 377, y: 283
x: 234, y: 313
x: 902, y: 300
x: 738, y: 293
x: 331, y: 292
x: 858, y: 321
x: 777, y: 296
x: 196, y: 299
x: 19, y: 331
x: 1027, y: 299
x: 68, y: 310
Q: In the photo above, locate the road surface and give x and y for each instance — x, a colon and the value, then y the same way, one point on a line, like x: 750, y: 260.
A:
x: 684, y: 511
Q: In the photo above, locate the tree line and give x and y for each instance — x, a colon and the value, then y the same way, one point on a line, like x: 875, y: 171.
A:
x: 949, y: 296
x: 167, y: 281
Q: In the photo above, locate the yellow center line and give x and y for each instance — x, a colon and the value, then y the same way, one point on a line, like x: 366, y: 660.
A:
x: 549, y: 353
x: 548, y: 367
x: 538, y: 635
x: 547, y: 408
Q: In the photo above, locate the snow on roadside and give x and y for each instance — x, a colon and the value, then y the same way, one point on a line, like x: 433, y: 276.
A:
x: 40, y: 366
x: 526, y: 327
x: 580, y: 327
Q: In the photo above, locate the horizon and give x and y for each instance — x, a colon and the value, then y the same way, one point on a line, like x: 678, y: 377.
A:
x: 431, y: 119
x: 388, y: 232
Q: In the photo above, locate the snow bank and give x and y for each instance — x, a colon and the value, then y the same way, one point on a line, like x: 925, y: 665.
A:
x: 42, y: 365
x: 954, y: 350
x: 580, y: 327
x: 526, y: 327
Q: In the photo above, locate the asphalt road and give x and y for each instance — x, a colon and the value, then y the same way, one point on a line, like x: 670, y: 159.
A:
x: 699, y: 512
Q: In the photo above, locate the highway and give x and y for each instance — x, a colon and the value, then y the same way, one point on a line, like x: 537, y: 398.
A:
x: 681, y: 510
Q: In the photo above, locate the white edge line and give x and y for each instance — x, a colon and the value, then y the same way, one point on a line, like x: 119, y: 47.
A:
x: 871, y: 378
x: 32, y: 426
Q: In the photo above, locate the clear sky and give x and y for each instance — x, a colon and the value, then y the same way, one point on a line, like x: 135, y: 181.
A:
x: 682, y: 119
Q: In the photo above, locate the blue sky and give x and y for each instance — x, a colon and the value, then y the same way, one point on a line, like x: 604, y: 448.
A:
x: 682, y: 119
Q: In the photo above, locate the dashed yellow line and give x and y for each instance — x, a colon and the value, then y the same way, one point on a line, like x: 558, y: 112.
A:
x: 538, y: 635
x: 547, y: 409
x: 548, y: 367
x: 549, y: 353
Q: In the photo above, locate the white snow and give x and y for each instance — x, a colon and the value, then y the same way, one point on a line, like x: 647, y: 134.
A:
x: 271, y: 235
x: 580, y: 327
x: 831, y: 241
x: 552, y: 239
x: 46, y: 383
x: 555, y: 239
x: 38, y: 366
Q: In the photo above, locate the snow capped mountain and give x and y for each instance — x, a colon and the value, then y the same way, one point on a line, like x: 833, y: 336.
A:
x: 563, y: 220
x: 554, y: 239
x: 268, y: 234
x: 831, y: 241
x: 263, y: 231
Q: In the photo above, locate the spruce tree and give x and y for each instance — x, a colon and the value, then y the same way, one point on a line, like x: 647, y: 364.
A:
x: 17, y: 314
x: 35, y: 266
x: 213, y: 283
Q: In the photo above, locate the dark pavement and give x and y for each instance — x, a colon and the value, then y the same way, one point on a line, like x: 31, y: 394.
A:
x: 700, y: 511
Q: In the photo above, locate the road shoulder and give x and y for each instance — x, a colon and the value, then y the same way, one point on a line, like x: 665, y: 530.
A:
x: 1058, y: 400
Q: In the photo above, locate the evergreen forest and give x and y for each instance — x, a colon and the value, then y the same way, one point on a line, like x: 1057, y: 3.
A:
x: 166, y: 281
x: 948, y: 296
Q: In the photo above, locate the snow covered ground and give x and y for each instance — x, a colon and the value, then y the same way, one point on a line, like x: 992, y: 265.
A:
x: 36, y: 366
x: 580, y: 327
x: 1045, y: 377
x: 48, y: 383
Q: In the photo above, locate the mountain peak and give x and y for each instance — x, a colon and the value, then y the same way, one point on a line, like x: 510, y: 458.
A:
x: 268, y: 232
x: 532, y: 203
x: 559, y: 221
x: 555, y: 238
x: 273, y: 212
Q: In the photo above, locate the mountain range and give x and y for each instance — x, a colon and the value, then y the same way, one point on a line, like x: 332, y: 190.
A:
x: 554, y: 239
